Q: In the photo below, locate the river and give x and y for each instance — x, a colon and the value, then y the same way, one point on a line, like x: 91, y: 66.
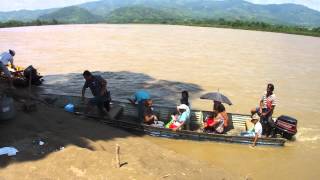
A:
x: 168, y: 59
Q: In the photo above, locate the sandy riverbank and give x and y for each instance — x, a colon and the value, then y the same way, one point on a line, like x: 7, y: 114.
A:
x: 88, y: 150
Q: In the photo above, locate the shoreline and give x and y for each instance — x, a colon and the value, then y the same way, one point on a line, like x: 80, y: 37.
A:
x: 79, y: 148
x: 314, y: 32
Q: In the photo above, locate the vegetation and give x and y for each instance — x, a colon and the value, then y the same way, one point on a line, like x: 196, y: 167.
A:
x: 141, y: 14
x: 230, y: 10
x: 71, y: 14
x: 260, y: 26
x: 37, y: 22
x: 146, y: 15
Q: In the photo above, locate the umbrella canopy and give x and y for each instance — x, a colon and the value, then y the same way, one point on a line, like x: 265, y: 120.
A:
x: 216, y: 96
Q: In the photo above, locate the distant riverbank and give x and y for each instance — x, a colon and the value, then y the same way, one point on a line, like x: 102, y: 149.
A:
x: 221, y: 23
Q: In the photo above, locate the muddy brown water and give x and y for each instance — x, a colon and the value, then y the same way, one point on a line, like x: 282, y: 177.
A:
x: 168, y: 59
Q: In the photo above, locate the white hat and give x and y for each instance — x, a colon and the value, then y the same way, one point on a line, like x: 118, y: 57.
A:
x: 182, y: 106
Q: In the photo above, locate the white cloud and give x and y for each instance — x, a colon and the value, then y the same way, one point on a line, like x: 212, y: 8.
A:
x: 9, y: 5
x: 314, y: 4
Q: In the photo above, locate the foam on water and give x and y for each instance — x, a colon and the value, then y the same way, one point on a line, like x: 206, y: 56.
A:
x: 306, y: 134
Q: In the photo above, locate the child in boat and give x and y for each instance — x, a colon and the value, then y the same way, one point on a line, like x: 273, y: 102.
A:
x: 256, y: 132
x: 149, y: 116
x: 178, y: 120
x: 209, y: 122
x: 214, y: 123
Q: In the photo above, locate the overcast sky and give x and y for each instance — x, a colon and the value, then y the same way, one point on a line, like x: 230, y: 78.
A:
x: 9, y: 5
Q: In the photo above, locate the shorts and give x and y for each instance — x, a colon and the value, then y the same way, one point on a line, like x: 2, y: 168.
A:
x: 5, y: 70
x: 264, y: 120
x: 98, y: 101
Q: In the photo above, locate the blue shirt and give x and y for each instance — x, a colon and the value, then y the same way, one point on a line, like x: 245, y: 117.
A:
x: 184, y: 116
x: 141, y: 95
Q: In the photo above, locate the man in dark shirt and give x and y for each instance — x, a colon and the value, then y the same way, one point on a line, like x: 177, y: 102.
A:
x: 98, y: 87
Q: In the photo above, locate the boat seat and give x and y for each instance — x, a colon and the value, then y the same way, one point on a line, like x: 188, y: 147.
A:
x: 239, y: 121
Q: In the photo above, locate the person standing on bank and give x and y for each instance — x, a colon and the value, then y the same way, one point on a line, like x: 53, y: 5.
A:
x: 265, y: 110
x: 98, y: 87
x: 5, y: 59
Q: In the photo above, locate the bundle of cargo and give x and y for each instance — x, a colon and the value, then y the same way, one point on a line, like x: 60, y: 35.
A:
x: 22, y: 77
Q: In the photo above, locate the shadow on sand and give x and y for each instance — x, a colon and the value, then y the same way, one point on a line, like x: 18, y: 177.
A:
x: 58, y: 129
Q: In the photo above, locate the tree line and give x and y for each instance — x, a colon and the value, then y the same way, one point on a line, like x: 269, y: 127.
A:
x: 222, y: 23
x: 14, y: 23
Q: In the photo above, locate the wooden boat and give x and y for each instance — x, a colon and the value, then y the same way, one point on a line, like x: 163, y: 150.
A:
x: 128, y: 116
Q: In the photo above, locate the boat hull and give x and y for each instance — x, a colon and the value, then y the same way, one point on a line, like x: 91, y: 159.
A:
x: 128, y: 121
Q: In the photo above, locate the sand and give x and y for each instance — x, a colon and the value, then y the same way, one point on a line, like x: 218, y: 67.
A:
x: 80, y: 148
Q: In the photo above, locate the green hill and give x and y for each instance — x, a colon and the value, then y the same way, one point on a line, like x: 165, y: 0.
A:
x: 72, y: 14
x: 285, y: 14
x: 290, y: 14
x: 141, y: 14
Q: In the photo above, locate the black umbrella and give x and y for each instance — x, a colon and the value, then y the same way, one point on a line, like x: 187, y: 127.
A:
x: 216, y: 96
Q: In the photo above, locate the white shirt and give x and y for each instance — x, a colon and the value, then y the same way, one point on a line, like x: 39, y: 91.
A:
x: 258, y: 129
x: 5, y: 58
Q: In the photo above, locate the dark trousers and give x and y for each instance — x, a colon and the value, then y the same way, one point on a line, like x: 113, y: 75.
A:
x: 268, y: 125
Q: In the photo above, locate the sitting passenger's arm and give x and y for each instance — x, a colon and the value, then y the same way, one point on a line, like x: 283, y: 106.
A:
x: 255, y: 140
x: 181, y: 119
x: 148, y: 118
x: 225, y: 117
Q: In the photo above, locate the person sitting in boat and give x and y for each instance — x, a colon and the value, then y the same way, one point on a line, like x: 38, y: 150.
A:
x: 98, y: 87
x: 140, y: 97
x: 265, y: 110
x: 210, y: 122
x: 150, y: 118
x: 256, y: 131
x: 179, y: 120
x: 215, y: 121
x: 219, y: 108
x: 5, y: 59
x: 185, y: 98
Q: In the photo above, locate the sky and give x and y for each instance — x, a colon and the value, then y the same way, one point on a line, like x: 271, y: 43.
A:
x: 10, y: 5
x: 313, y: 4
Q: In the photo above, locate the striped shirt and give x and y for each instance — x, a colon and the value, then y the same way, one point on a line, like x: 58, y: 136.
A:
x: 268, y: 102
